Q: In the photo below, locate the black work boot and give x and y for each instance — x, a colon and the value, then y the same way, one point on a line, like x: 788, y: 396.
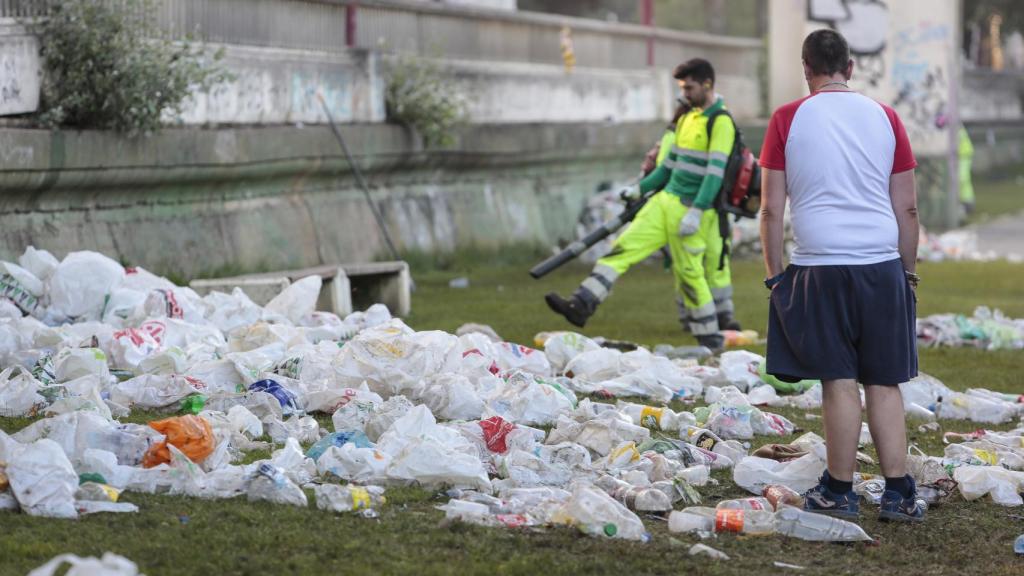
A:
x: 727, y: 322
x: 575, y: 309
x: 713, y: 342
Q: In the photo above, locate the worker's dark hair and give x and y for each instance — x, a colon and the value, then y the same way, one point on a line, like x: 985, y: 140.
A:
x: 826, y: 52
x: 698, y: 68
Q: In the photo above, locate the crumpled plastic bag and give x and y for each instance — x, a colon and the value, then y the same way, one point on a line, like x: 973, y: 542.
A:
x: 190, y: 434
x: 109, y: 565
x: 76, y: 432
x: 425, y: 452
x: 81, y: 283
x: 71, y: 363
x: 599, y: 435
x: 272, y: 484
x: 20, y: 287
x: 1005, y: 486
x: 561, y: 347
x: 151, y: 391
x: 452, y: 397
x: 354, y: 464
x: 19, y: 395
x: 753, y: 473
x: 297, y: 300
x: 39, y: 262
x: 393, y: 359
x: 43, y: 480
x: 528, y: 399
x: 740, y: 368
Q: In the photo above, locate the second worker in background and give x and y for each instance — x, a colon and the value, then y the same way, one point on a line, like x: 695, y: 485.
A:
x: 689, y: 178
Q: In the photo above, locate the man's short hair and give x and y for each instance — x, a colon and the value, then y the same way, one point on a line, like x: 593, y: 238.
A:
x: 826, y: 52
x: 698, y: 68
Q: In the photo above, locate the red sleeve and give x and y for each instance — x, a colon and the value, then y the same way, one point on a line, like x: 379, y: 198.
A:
x: 903, y: 157
x: 773, y: 151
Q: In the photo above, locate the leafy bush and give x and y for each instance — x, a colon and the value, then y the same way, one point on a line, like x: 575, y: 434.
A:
x: 418, y: 97
x: 111, y: 69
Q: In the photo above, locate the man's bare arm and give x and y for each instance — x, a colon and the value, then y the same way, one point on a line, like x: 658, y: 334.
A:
x: 903, y: 194
x: 773, y: 207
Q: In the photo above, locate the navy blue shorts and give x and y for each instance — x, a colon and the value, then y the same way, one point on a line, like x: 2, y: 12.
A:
x: 837, y: 322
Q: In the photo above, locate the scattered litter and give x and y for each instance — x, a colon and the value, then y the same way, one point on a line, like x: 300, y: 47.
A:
x: 460, y: 282
x: 778, y: 564
x: 513, y: 433
x: 704, y: 550
x: 985, y: 329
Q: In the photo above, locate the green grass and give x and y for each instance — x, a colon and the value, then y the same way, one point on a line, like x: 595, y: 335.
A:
x: 177, y: 535
x: 997, y: 197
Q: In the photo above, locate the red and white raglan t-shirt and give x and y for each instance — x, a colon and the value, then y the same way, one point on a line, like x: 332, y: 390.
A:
x: 838, y: 150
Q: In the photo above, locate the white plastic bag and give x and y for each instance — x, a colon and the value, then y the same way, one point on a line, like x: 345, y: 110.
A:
x: 39, y: 262
x: 19, y: 394
x: 43, y: 480
x: 297, y: 300
x: 1005, y: 486
x: 72, y: 363
x: 753, y: 473
x: 354, y: 464
x: 81, y: 283
x: 562, y: 347
x: 109, y: 565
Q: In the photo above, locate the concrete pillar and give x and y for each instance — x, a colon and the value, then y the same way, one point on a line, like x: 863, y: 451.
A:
x: 787, y: 22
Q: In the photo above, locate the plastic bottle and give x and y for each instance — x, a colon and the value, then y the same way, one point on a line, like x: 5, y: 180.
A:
x: 745, y: 521
x: 1018, y: 545
x: 597, y: 514
x: 817, y: 527
x: 779, y: 494
x: 700, y: 437
x: 638, y: 498
x: 692, y: 519
x: 651, y: 417
x: 755, y: 503
x: 696, y: 475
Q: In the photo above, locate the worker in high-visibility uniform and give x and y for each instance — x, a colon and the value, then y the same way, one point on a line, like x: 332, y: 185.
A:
x: 690, y: 177
x: 965, y: 151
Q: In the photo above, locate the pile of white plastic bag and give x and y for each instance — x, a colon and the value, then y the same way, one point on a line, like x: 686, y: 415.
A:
x: 84, y: 342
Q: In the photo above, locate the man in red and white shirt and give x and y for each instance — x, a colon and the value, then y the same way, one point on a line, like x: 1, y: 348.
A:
x: 843, y: 311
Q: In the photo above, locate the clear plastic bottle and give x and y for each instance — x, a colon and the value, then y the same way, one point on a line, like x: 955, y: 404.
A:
x: 692, y: 519
x: 817, y: 527
x: 651, y: 417
x: 745, y: 521
x: 638, y: 498
x: 754, y: 503
x: 779, y: 495
x: 596, y: 513
x: 696, y: 475
x: 700, y: 437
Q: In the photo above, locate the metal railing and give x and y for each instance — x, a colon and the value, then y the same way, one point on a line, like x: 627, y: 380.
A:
x: 430, y: 30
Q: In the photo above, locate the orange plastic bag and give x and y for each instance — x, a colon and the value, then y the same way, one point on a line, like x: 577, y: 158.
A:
x: 190, y: 434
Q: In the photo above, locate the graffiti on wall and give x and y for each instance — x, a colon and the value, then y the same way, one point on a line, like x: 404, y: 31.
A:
x: 921, y: 82
x: 864, y: 24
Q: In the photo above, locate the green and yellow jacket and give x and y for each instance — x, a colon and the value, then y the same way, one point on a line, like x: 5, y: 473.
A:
x: 694, y: 166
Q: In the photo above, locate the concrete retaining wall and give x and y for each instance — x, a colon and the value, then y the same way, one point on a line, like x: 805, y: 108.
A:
x: 193, y: 202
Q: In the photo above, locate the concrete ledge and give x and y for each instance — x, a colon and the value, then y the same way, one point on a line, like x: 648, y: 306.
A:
x: 346, y: 287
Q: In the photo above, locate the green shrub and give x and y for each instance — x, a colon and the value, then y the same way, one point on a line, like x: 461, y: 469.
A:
x: 110, y: 68
x: 418, y: 96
